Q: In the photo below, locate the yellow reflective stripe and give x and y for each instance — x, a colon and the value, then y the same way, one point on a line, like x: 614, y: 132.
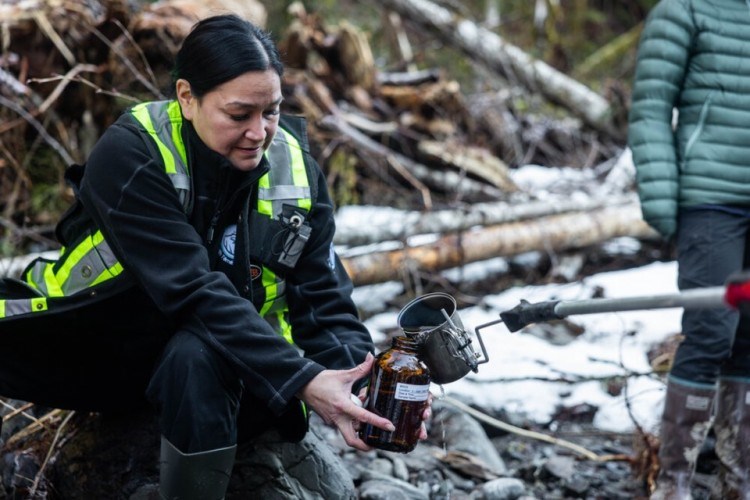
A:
x: 18, y: 307
x: 284, y: 327
x: 97, y: 238
x: 269, y: 283
x: 175, y: 116
x: 299, y: 173
x: 116, y: 269
x: 29, y: 278
x: 108, y: 274
x: 141, y: 114
x: 79, y: 253
x: 265, y: 206
x: 38, y: 304
x: 50, y: 280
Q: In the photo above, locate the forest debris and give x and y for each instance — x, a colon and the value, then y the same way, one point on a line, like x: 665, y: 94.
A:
x: 467, y: 464
x: 46, y: 27
x: 508, y: 60
x: 416, y: 77
x: 401, y: 40
x: 37, y: 425
x: 181, y: 12
x: 9, y: 81
x: 448, y: 181
x: 492, y: 114
x: 156, y: 32
x: 611, y: 51
x: 355, y: 54
x: 473, y: 160
x: 437, y: 108
x: 40, y: 476
x: 16, y: 411
x: 51, y: 141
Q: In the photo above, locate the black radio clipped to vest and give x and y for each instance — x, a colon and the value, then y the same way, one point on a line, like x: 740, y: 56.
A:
x: 279, y: 242
x: 297, y: 232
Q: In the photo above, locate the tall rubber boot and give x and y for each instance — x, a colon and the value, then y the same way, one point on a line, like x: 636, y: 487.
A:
x: 685, y: 424
x: 732, y: 428
x: 194, y: 476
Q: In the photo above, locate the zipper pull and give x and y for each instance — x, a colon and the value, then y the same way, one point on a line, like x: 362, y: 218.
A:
x: 212, y: 227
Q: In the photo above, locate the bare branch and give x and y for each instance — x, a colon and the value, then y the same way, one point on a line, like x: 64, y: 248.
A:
x: 67, y: 158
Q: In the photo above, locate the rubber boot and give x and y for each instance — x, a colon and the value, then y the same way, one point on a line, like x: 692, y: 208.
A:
x: 194, y: 476
x: 685, y: 424
x: 732, y: 428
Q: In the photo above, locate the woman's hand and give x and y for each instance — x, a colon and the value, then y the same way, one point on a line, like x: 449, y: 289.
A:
x: 426, y: 415
x: 329, y: 395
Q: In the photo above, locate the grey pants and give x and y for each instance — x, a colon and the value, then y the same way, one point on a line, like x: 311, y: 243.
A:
x: 711, y: 245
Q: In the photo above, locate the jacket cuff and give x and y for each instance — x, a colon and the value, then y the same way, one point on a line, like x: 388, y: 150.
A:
x: 294, y: 385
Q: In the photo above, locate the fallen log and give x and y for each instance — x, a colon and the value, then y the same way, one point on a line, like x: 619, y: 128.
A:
x: 508, y: 61
x: 549, y: 234
x: 403, y: 225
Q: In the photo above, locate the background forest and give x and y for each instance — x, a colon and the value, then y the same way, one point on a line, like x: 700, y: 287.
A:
x: 68, y: 67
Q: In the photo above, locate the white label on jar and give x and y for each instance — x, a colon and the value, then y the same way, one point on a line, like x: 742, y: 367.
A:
x: 411, y: 392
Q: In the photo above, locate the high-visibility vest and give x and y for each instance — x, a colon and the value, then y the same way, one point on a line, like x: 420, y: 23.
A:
x: 90, y: 261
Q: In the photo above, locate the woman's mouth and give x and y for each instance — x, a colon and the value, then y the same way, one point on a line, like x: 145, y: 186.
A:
x: 249, y: 150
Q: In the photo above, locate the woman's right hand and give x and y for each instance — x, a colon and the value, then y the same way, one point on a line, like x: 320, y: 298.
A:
x: 329, y: 395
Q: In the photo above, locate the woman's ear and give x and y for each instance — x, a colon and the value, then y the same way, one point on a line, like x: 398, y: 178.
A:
x: 185, y: 98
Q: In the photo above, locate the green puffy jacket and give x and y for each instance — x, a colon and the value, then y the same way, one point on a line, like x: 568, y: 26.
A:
x: 694, y: 57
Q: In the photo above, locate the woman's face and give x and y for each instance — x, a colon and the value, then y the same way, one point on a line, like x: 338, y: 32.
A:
x: 237, y: 119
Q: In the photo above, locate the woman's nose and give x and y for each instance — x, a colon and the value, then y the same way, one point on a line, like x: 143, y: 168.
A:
x: 255, y: 130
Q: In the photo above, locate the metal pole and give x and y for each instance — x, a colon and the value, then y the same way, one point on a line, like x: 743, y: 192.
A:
x: 698, y: 298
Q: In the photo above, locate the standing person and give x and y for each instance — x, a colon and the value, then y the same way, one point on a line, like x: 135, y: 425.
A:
x: 689, y: 133
x: 198, y: 269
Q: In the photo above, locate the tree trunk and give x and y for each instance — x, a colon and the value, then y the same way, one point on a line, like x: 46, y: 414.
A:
x: 554, y: 233
x: 402, y: 225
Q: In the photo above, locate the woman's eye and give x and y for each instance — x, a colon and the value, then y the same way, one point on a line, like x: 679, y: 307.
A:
x: 239, y: 118
x: 272, y: 112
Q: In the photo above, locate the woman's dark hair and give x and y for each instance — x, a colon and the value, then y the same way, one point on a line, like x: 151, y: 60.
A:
x: 221, y: 48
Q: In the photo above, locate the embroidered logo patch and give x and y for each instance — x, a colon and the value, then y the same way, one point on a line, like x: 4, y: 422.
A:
x: 255, y: 272
x: 226, y: 249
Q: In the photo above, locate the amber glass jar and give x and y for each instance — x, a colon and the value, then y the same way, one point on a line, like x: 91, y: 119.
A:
x: 399, y: 389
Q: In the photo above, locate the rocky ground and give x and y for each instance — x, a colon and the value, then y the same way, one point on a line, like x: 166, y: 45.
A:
x: 464, y: 460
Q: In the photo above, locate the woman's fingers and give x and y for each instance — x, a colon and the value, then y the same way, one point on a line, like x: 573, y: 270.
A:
x: 362, y: 370
x: 367, y: 417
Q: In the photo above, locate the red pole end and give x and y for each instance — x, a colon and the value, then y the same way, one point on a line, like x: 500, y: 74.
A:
x: 737, y: 294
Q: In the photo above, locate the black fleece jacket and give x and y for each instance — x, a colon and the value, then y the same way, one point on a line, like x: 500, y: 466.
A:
x: 166, y: 252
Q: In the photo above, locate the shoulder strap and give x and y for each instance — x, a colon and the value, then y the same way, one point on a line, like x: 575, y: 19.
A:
x: 162, y: 122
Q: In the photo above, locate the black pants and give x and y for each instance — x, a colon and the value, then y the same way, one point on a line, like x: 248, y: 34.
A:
x: 119, y: 354
x: 711, y: 245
